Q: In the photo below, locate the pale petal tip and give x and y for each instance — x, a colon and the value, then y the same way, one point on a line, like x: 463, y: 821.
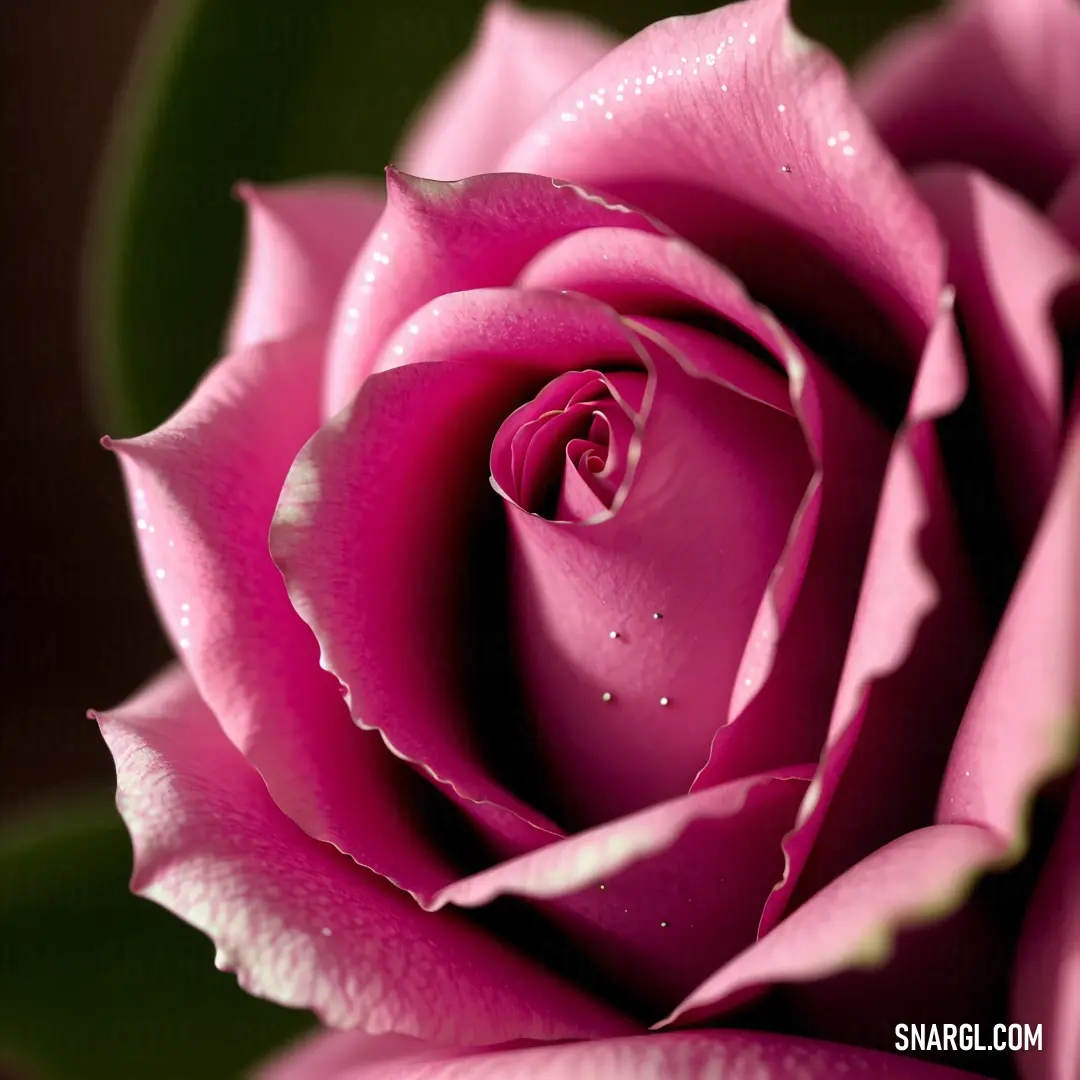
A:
x: 246, y: 192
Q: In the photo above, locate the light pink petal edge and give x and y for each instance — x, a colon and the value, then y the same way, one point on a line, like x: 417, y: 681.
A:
x: 853, y: 922
x: 203, y: 487
x: 899, y: 590
x: 297, y: 921
x: 519, y: 59
x: 681, y: 1055
x: 302, y: 239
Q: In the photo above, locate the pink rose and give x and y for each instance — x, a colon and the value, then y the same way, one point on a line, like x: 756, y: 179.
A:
x: 604, y: 611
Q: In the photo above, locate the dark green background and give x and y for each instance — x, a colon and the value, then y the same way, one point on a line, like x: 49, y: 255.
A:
x: 94, y: 982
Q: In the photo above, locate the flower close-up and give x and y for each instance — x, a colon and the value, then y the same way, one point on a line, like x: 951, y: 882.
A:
x: 624, y: 570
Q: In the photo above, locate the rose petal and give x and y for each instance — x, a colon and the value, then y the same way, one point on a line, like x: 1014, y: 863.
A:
x: 302, y: 239
x: 915, y: 650
x: 788, y: 676
x: 1046, y: 988
x: 657, y: 900
x: 1065, y: 210
x: 996, y: 766
x: 298, y: 922
x: 990, y: 83
x: 372, y: 533
x: 676, y: 1055
x: 1008, y: 265
x: 203, y: 488
x: 1022, y: 725
x: 519, y: 59
x: 806, y: 212
x: 703, y: 522
x: 853, y: 921
x: 436, y: 238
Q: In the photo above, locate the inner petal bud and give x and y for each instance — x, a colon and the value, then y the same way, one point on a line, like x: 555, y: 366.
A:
x: 644, y: 527
x: 564, y: 455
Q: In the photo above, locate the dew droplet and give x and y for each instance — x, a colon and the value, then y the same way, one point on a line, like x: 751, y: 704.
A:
x: 613, y: 635
x: 657, y: 615
x: 606, y: 695
x: 665, y: 701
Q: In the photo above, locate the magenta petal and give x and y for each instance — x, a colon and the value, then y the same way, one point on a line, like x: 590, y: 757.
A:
x: 1021, y: 725
x: 658, y: 900
x: 297, y: 921
x: 1046, y: 987
x: 788, y: 676
x: 519, y: 59
x: 1065, y: 211
x: 853, y: 921
x: 371, y: 532
x: 1008, y: 265
x: 806, y: 212
x: 203, y: 488
x: 674, y: 1055
x: 302, y: 239
x: 916, y: 646
x: 990, y: 83
x: 436, y: 238
x: 702, y: 523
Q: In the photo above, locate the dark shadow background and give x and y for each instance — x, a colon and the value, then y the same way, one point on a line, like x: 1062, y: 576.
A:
x: 76, y: 628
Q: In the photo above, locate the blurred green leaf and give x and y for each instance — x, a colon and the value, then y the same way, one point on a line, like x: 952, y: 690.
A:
x: 97, y: 983
x: 269, y: 90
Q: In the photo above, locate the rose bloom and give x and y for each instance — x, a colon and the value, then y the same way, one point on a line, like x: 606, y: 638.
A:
x: 626, y: 600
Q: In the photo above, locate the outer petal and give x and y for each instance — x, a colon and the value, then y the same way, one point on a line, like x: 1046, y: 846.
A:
x: 853, y: 921
x: 1046, y: 990
x: 520, y: 58
x: 1008, y: 265
x: 300, y: 923
x: 991, y: 83
x: 743, y: 137
x: 203, y: 488
x: 439, y: 238
x: 302, y: 239
x: 373, y: 537
x: 683, y: 1055
x: 656, y: 901
x: 1022, y: 725
x: 1065, y: 211
x: 915, y: 651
